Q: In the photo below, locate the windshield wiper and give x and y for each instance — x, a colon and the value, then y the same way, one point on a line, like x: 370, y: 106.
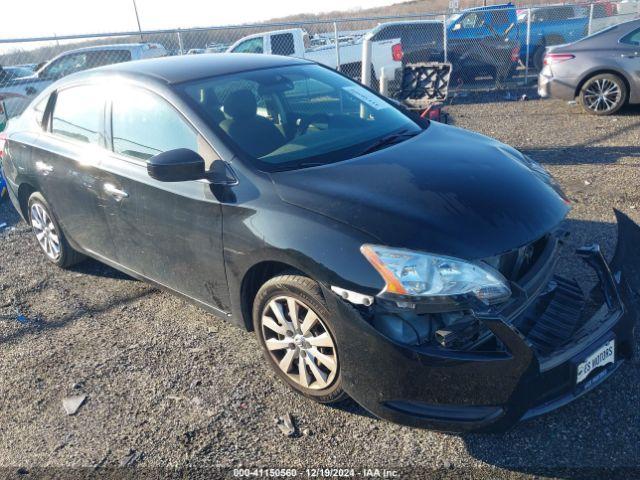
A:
x: 388, y: 140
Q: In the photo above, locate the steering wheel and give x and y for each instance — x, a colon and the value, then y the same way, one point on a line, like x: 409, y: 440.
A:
x: 306, y: 121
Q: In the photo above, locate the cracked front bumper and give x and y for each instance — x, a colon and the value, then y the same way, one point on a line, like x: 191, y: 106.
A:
x: 490, y: 390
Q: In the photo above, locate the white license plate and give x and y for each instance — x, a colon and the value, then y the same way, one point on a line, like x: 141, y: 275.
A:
x: 604, y: 355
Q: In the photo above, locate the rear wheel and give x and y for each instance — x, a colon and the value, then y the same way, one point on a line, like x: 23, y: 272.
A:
x: 49, y: 234
x: 293, y: 326
x: 603, y: 94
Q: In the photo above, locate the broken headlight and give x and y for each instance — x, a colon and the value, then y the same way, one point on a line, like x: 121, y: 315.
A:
x: 435, y: 279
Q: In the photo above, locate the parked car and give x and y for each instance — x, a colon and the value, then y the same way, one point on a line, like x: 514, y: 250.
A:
x: 405, y: 263
x: 8, y: 74
x: 386, y: 55
x: 599, y: 70
x: 19, y: 92
x: 423, y: 41
x: 549, y: 26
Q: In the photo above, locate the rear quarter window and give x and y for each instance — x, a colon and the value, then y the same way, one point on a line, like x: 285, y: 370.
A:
x: 78, y: 114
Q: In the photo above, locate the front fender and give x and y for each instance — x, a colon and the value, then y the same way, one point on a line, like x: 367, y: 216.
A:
x: 323, y: 249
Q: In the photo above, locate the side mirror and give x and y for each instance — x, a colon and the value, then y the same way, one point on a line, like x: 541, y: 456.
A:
x: 179, y: 165
x: 457, y: 27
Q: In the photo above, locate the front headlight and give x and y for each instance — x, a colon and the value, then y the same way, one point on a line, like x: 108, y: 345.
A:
x: 435, y: 277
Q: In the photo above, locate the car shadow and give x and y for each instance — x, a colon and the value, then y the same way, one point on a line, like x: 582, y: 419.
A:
x: 584, y: 154
x: 97, y: 269
x: 508, y: 93
x: 114, y: 303
x: 351, y: 406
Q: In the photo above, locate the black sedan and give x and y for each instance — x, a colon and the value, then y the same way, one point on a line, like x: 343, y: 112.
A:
x: 407, y: 264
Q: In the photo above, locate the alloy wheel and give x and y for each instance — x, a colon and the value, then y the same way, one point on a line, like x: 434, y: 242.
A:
x: 45, y: 231
x: 602, y: 95
x: 299, y: 343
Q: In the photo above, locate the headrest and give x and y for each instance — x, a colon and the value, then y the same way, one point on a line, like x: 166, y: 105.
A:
x: 241, y: 104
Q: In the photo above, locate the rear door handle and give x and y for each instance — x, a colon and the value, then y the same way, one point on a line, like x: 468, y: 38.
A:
x: 630, y: 55
x: 115, y: 192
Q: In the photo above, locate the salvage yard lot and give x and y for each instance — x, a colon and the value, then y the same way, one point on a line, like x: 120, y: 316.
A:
x: 170, y: 385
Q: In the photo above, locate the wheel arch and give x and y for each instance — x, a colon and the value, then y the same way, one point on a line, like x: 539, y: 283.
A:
x: 25, y: 190
x: 254, y: 278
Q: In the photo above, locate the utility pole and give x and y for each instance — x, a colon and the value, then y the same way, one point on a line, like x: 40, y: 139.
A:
x: 135, y: 9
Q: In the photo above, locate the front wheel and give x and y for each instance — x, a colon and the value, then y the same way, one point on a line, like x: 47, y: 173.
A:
x: 293, y: 326
x: 603, y: 94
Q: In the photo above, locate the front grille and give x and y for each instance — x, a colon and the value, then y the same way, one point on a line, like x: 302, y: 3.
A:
x: 554, y: 320
x: 515, y: 264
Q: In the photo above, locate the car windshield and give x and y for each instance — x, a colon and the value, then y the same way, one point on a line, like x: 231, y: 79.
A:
x: 297, y: 116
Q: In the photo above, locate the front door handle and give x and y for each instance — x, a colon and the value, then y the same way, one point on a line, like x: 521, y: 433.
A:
x: 115, y: 192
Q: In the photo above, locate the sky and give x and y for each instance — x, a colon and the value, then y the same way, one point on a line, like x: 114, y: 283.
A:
x: 41, y: 18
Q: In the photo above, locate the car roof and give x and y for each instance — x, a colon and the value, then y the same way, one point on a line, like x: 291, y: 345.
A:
x: 488, y: 7
x: 184, y: 68
x: 116, y: 46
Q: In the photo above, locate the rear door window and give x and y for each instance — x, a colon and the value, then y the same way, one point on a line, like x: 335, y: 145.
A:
x: 282, y: 44
x: 66, y: 65
x: 78, y: 114
x: 472, y: 20
x: 144, y: 125
x: 632, y: 38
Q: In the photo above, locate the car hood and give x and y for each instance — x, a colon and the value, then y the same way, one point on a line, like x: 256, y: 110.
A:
x: 446, y: 191
x: 17, y: 83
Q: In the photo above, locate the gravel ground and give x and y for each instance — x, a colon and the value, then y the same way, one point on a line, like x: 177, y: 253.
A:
x: 169, y: 385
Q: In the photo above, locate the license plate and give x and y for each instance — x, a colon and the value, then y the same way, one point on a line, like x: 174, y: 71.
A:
x: 604, y: 355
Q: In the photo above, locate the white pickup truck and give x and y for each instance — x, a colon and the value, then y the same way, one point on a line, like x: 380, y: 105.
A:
x: 295, y: 42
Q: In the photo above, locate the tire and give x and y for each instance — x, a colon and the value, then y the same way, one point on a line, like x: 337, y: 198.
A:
x: 590, y: 94
x: 49, y: 234
x: 292, y: 344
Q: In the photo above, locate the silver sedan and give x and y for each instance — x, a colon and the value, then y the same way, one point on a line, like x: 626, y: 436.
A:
x: 602, y: 70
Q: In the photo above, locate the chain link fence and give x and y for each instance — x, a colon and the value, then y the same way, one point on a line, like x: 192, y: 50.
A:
x: 489, y: 48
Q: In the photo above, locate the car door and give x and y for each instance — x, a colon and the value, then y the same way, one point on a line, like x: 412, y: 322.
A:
x: 169, y: 232
x: 628, y: 56
x: 66, y: 162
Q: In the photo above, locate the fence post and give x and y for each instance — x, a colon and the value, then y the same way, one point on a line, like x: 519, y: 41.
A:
x: 384, y: 84
x: 528, y: 47
x: 180, y: 48
x: 445, y: 38
x: 365, y: 75
x: 590, y: 19
x: 335, y: 37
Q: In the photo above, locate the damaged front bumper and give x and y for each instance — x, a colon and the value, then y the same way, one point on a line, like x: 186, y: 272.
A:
x: 526, y: 364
